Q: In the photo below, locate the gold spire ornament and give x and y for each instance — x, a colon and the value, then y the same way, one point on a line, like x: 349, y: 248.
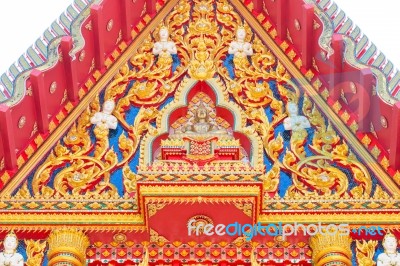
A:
x: 331, y: 249
x: 67, y: 246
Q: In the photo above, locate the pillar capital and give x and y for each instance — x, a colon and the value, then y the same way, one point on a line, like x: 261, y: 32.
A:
x: 331, y: 249
x: 67, y: 246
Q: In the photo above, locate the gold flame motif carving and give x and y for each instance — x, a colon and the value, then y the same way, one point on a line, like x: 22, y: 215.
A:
x: 35, y: 251
x: 365, y: 252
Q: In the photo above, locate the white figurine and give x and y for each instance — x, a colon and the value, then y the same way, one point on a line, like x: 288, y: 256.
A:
x: 390, y: 256
x: 105, y: 118
x: 240, y: 48
x: 295, y: 122
x: 10, y: 256
x: 164, y: 46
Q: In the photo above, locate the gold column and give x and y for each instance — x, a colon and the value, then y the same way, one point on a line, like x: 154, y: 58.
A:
x: 67, y: 247
x: 331, y: 249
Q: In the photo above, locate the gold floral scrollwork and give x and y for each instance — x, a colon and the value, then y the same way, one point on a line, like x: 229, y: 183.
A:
x: 153, y: 208
x: 156, y: 238
x: 35, y: 252
x: 202, y: 66
x: 271, y: 179
x: 78, y: 172
x: 130, y: 179
x: 325, y: 173
x: 79, y: 165
x: 365, y: 252
x: 153, y: 79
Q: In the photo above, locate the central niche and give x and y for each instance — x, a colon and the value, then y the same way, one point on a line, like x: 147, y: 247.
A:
x: 199, y: 130
x: 201, y: 136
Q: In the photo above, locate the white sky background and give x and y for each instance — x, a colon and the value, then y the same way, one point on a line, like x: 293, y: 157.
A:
x: 22, y: 22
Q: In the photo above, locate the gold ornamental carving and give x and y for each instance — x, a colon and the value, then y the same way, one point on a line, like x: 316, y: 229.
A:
x: 254, y: 85
x: 331, y: 248
x: 146, y: 257
x: 156, y: 238
x: 365, y: 251
x: 153, y: 208
x: 35, y: 252
x: 201, y: 50
x: 67, y: 246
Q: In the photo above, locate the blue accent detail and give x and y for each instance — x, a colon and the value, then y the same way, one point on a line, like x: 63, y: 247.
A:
x: 45, y: 260
x: 131, y: 114
x: 285, y: 182
x: 135, y: 161
x: 378, y: 251
x: 21, y: 249
x: 353, y: 248
x: 167, y: 101
x: 117, y: 180
x: 175, y: 62
x: 228, y: 63
x: 274, y: 88
x: 267, y: 162
x: 114, y: 135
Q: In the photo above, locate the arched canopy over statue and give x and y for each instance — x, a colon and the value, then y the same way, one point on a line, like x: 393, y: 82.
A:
x: 201, y: 125
x: 201, y: 132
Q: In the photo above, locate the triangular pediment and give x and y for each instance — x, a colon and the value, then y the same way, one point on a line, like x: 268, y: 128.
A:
x: 305, y: 154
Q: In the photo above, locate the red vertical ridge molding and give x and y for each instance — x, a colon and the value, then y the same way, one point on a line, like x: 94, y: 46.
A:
x: 96, y: 12
x: 335, y: 72
x: 126, y: 24
x: 307, y: 32
x: 151, y: 7
x: 38, y: 90
x: 366, y: 80
x: 395, y: 137
x: 258, y: 5
x: 281, y: 19
x: 70, y: 68
x: 6, y: 134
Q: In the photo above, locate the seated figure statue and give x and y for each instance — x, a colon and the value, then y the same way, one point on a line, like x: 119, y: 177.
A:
x: 105, y: 119
x: 240, y: 49
x: 164, y: 48
x: 295, y: 122
x: 200, y: 136
x: 10, y: 256
x: 202, y: 126
x: 390, y: 256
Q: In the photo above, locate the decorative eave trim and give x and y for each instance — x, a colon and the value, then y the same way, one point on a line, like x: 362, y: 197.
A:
x: 18, y: 86
x: 383, y: 88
